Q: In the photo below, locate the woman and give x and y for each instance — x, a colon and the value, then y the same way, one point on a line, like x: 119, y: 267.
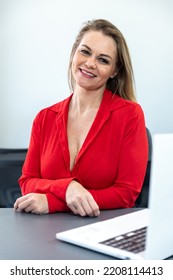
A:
x: 88, y: 152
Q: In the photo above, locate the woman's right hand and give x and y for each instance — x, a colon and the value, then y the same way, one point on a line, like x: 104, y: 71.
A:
x: 32, y: 202
x: 80, y: 201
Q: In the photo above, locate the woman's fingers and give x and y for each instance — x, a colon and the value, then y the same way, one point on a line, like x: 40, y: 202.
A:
x: 21, y: 203
x: 80, y: 201
x: 90, y: 206
x: 32, y: 202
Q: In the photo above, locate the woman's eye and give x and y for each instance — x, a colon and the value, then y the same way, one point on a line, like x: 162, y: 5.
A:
x: 85, y: 52
x: 103, y: 60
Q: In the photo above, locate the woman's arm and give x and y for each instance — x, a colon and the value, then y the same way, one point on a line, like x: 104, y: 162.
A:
x: 131, y: 170
x: 31, y: 180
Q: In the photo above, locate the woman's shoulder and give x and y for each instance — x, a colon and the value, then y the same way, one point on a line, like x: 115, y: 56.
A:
x: 119, y: 103
x: 51, y: 112
x: 56, y: 107
x: 59, y: 106
x: 126, y: 111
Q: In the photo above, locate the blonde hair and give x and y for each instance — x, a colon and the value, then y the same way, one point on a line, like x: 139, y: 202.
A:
x: 123, y: 83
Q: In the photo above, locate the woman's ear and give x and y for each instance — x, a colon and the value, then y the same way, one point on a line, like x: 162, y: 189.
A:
x: 113, y: 75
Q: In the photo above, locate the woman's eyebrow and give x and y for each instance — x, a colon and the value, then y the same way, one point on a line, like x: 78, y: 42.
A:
x: 102, y: 54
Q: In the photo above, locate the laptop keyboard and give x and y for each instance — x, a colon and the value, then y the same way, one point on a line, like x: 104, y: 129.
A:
x: 133, y: 241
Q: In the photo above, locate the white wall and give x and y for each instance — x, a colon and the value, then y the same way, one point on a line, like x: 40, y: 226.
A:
x: 36, y: 39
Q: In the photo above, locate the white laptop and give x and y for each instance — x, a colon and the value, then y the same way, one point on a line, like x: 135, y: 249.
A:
x: 143, y: 234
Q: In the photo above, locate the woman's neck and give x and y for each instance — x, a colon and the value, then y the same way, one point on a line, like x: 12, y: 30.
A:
x: 84, y: 101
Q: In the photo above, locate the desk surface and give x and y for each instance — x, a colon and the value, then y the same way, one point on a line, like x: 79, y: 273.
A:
x: 29, y: 236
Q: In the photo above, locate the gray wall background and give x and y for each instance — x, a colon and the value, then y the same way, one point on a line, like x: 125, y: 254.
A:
x: 36, y: 39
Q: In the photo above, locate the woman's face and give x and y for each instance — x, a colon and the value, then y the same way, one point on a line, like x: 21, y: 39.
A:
x: 94, y: 61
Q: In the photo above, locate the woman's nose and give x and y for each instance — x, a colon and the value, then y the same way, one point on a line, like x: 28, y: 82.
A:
x: 90, y: 63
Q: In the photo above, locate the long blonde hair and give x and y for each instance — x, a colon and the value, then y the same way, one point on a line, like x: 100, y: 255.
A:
x: 123, y: 83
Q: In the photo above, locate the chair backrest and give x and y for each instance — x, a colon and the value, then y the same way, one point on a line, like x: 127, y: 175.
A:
x: 11, y: 161
x: 142, y: 200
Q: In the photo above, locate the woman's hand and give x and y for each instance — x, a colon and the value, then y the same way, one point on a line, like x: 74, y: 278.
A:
x: 80, y: 201
x: 33, y: 202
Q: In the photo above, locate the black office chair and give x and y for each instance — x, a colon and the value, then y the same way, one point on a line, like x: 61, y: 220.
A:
x: 142, y: 200
x: 11, y: 161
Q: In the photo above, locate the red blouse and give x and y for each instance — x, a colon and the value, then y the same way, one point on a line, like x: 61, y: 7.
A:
x: 111, y: 164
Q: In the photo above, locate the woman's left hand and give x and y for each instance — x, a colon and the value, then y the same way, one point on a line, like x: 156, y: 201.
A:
x: 80, y: 201
x: 33, y: 202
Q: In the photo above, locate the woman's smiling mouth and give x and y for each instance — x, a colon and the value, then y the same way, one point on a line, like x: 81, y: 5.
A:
x: 87, y: 74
